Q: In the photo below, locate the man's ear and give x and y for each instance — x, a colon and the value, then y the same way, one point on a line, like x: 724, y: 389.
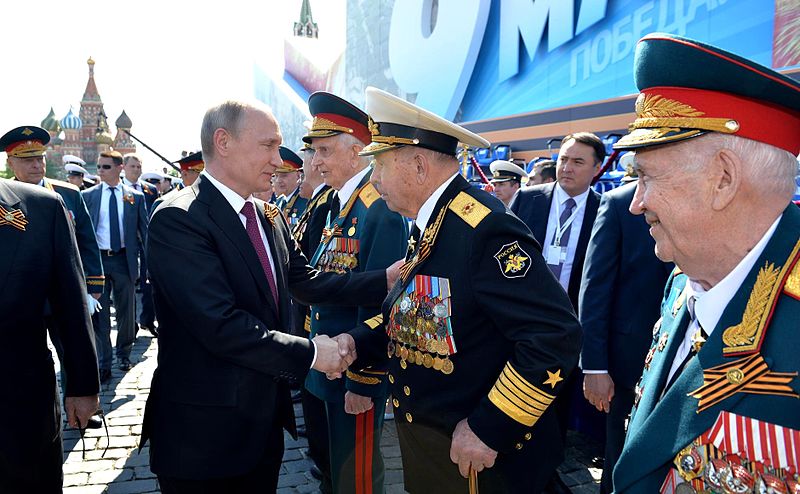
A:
x: 724, y: 171
x: 421, y: 166
x: 221, y: 141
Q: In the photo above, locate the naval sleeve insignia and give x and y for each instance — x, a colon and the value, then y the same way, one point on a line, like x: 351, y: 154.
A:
x: 514, y: 262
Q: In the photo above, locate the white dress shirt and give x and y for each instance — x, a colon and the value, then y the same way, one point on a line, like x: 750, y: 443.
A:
x: 709, y: 305
x: 133, y: 185
x: 317, y: 189
x: 103, y: 231
x: 560, y: 196
x: 426, y: 210
x: 350, y: 186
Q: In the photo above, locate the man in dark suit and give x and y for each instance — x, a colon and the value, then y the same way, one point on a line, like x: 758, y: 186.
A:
x: 623, y: 283
x: 120, y: 219
x: 478, y: 334
x: 39, y: 262
x: 220, y: 395
x: 561, y: 215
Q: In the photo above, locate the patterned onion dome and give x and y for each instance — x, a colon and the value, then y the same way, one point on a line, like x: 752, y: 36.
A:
x: 71, y: 121
x: 123, y: 121
x: 50, y: 123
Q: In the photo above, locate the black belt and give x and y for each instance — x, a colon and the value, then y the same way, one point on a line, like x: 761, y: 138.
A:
x: 112, y: 253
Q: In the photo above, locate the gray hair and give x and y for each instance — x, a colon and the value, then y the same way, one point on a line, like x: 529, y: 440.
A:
x: 227, y: 115
x: 348, y: 140
x: 772, y: 168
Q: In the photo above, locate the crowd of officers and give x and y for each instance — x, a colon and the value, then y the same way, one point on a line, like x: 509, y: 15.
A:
x: 491, y: 303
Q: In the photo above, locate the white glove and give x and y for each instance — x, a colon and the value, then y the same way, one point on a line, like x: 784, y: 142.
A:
x: 94, y: 305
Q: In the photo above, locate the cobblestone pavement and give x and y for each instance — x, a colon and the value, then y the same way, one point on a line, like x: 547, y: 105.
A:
x: 121, y: 469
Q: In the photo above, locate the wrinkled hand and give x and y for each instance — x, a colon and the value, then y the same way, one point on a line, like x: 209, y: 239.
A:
x: 599, y: 390
x: 355, y: 404
x: 329, y: 357
x: 393, y: 273
x: 347, y: 350
x: 467, y: 450
x: 80, y: 409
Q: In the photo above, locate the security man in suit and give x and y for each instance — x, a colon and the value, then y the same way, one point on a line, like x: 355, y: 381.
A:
x: 308, y: 233
x: 39, y: 264
x: 507, y: 179
x: 360, y: 234
x: 620, y: 299
x: 291, y: 169
x: 478, y: 333
x: 717, y: 407
x: 120, y: 218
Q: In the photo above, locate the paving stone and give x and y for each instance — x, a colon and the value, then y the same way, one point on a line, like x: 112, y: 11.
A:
x: 75, y: 479
x: 85, y: 489
x: 143, y: 473
x: 292, y: 480
x: 87, y: 466
x: 132, y: 487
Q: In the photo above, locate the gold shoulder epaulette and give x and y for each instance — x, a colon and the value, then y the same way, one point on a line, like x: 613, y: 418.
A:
x: 792, y: 285
x: 325, y: 196
x: 469, y: 209
x: 368, y: 195
x: 63, y: 184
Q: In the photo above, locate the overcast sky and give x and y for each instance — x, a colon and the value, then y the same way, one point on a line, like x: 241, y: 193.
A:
x: 165, y: 62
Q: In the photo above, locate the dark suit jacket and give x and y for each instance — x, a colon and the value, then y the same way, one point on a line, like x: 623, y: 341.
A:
x: 38, y: 264
x: 623, y: 283
x: 224, y: 364
x: 134, y: 221
x: 533, y: 207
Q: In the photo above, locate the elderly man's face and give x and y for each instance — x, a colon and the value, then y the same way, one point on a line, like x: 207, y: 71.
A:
x: 28, y: 170
x: 284, y: 183
x: 506, y: 190
x: 255, y: 152
x: 576, y: 167
x: 189, y: 177
x: 393, y: 176
x: 333, y: 157
x: 673, y: 201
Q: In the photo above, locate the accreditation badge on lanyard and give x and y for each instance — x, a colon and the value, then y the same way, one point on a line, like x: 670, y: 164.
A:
x: 556, y: 253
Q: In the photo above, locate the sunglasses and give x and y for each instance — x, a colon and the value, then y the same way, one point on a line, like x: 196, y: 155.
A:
x: 105, y: 167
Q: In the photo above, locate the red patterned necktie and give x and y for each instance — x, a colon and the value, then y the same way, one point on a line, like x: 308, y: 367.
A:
x: 249, y: 213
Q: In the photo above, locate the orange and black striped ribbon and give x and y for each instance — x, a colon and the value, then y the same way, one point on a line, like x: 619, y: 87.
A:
x: 13, y: 217
x: 425, y: 245
x: 746, y: 375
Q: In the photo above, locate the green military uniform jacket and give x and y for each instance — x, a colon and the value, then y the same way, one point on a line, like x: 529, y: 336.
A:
x: 745, y: 375
x: 294, y: 207
x: 365, y: 236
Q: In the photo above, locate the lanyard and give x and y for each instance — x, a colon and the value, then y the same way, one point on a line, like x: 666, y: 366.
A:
x: 560, y: 229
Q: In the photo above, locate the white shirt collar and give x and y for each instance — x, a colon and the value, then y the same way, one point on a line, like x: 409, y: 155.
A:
x: 350, y: 186
x: 116, y: 187
x: 710, y: 304
x: 234, y: 199
x: 425, y: 211
x: 128, y: 182
x: 317, y: 189
x: 561, y: 196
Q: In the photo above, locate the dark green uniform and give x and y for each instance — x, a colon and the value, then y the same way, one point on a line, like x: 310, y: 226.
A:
x: 294, y: 207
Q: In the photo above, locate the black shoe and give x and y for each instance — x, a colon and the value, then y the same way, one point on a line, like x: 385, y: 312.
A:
x: 316, y: 472
x: 125, y: 365
x: 95, y: 421
x: 105, y: 375
x: 150, y: 328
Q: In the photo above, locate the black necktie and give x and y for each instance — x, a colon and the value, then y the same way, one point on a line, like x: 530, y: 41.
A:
x: 334, y: 207
x: 413, y: 241
x: 569, y: 205
x: 113, y: 220
x: 698, y: 338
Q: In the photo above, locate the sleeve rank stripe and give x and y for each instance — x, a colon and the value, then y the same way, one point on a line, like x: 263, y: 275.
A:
x: 523, y: 384
x: 510, y: 409
x: 534, y: 408
x: 374, y: 372
x: 374, y: 322
x: 362, y: 379
x: 526, y: 398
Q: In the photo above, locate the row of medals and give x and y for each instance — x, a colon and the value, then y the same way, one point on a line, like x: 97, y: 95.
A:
x: 729, y: 477
x: 338, y: 261
x: 412, y: 321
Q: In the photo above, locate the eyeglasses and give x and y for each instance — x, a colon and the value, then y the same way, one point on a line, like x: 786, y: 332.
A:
x: 105, y: 167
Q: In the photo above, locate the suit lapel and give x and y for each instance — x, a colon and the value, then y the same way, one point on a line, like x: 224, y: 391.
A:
x: 277, y: 259
x: 592, y: 203
x: 95, y: 195
x: 9, y: 235
x: 228, y: 221
x: 542, y: 213
x: 674, y: 421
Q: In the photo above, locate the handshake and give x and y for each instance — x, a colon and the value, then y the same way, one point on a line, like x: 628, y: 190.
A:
x: 334, y: 355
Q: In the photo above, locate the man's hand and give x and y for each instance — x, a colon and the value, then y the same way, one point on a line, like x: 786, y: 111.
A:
x: 599, y: 390
x: 393, y: 273
x: 355, y: 404
x: 347, y: 350
x: 467, y: 450
x: 80, y: 409
x: 329, y: 358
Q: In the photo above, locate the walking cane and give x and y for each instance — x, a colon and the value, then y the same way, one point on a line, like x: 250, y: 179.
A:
x: 473, y: 481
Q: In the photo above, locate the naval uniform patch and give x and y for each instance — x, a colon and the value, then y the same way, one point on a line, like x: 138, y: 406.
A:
x: 514, y: 262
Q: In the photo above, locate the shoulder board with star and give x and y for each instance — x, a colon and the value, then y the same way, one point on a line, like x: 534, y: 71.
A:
x: 469, y: 209
x: 368, y: 195
x: 792, y: 286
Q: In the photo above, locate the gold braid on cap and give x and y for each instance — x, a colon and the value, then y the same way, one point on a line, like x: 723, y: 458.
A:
x: 27, y: 149
x: 320, y: 123
x: 375, y: 130
x: 654, y: 111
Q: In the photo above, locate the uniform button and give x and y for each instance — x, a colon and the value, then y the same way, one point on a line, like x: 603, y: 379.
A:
x: 518, y: 446
x: 409, y: 418
x: 316, y: 316
x: 528, y: 436
x: 391, y: 378
x: 256, y: 326
x: 407, y: 390
x: 396, y: 402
